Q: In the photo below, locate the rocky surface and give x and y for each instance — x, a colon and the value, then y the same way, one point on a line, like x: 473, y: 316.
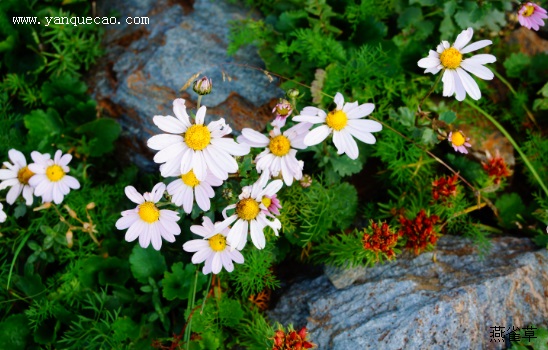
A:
x: 447, y: 302
x: 146, y: 65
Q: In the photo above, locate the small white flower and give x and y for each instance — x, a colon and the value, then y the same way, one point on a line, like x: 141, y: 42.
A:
x: 456, y: 81
x: 146, y: 221
x: 251, y: 214
x: 17, y: 176
x: 50, y: 180
x: 187, y: 187
x: 3, y: 215
x: 343, y: 122
x: 194, y: 146
x: 213, y: 248
x: 280, y: 153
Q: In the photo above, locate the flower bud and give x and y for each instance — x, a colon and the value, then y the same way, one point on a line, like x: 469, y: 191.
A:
x: 68, y: 236
x: 293, y: 93
x: 306, y: 181
x: 202, y: 86
x: 90, y: 206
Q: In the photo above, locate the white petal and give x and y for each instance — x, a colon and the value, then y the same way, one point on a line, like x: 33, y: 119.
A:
x: 216, y: 264
x: 478, y: 70
x: 195, y: 245
x: 17, y: 158
x: 350, y: 145
x: 158, y: 191
x: 200, y: 230
x: 236, y: 256
x: 8, y: 174
x: 172, y: 151
x: 188, y: 199
x: 463, y: 38
x: 200, y: 115
x: 126, y: 221
x: 235, y: 234
x: 144, y: 236
x: 227, y: 261
x: 256, y: 138
x: 201, y: 255
x: 201, y: 198
x: 179, y: 109
x: 230, y: 146
x: 339, y: 143
x: 243, y: 238
x: 257, y: 235
x: 361, y: 111
x: 159, y: 142
x: 155, y: 236
x: 339, y: 101
x: 169, y: 124
x: 133, y: 195
x: 429, y: 62
x: 476, y: 46
x: 13, y: 193
x: 27, y: 194
x: 459, y: 88
x: 481, y: 59
x: 308, y: 118
x: 469, y: 84
x: 365, y: 125
x: 448, y: 83
x: 286, y: 173
x: 57, y: 194
x: 135, y: 230
x: 317, y: 135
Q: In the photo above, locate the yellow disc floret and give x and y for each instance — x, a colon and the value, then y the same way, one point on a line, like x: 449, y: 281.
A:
x: 279, y: 145
x: 217, y: 242
x: 55, y: 173
x: 336, y: 120
x: 451, y: 58
x: 148, y: 212
x: 190, y: 179
x: 197, y: 137
x: 266, y: 201
x: 24, y: 175
x: 457, y: 138
x: 528, y: 11
x: 247, y: 209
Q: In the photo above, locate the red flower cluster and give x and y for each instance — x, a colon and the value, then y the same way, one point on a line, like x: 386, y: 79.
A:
x: 381, y: 240
x: 291, y: 340
x: 496, y: 167
x: 444, y: 187
x: 419, y: 232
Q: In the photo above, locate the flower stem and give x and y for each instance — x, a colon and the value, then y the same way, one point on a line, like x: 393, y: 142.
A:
x: 198, y: 103
x: 512, y: 141
x: 190, y: 307
x: 530, y: 114
x: 430, y: 91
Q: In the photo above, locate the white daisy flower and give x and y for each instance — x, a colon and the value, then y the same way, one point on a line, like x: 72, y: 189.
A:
x: 456, y: 81
x: 251, y: 214
x: 50, y: 180
x: 194, y: 146
x: 146, y: 221
x: 187, y: 187
x: 213, y: 248
x: 3, y: 215
x: 279, y: 155
x: 17, y: 177
x: 343, y: 122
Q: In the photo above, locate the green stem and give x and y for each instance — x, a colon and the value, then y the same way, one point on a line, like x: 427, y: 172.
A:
x: 191, y: 307
x: 430, y: 91
x: 509, y: 86
x: 15, y: 255
x: 206, y: 291
x: 198, y: 103
x: 514, y: 143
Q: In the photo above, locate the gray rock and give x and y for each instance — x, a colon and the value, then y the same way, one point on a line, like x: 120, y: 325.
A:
x: 450, y: 302
x: 342, y: 278
x: 145, y: 66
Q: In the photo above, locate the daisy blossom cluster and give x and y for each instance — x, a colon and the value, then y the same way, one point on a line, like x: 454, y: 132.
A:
x: 45, y: 178
x: 531, y: 15
x: 200, y: 157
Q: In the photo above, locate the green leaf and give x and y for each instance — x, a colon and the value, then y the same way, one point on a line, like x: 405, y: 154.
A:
x: 423, y: 2
x: 20, y: 210
x: 102, y: 133
x: 447, y: 27
x: 411, y: 15
x: 343, y: 208
x: 145, y: 263
x: 509, y: 205
x: 516, y: 64
x: 63, y: 92
x: 448, y: 117
x: 404, y: 116
x: 345, y: 166
x: 43, y: 124
x: 177, y: 284
x: 125, y: 328
x: 14, y: 332
x: 230, y: 312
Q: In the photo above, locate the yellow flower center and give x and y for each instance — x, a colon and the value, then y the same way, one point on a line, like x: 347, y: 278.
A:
x: 247, y: 209
x: 266, y: 201
x: 54, y: 173
x: 451, y: 58
x: 190, y: 179
x: 283, y: 110
x: 279, y: 145
x: 197, y: 137
x: 24, y: 175
x: 457, y: 138
x: 217, y: 242
x: 336, y: 120
x: 148, y: 212
x: 528, y: 11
